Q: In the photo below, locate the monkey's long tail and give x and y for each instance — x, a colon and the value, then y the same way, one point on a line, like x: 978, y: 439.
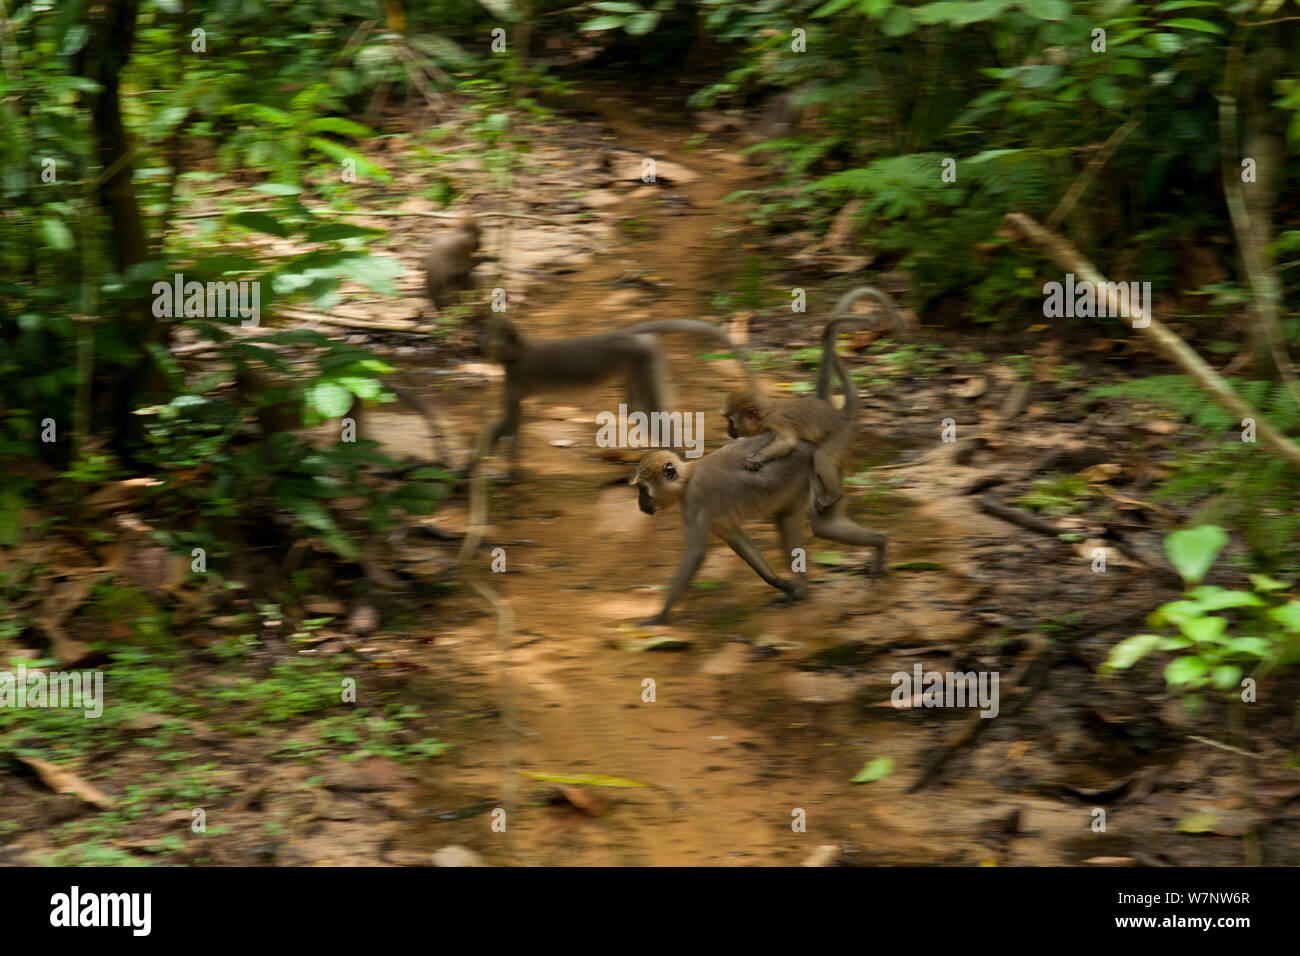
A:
x: 831, y: 359
x: 714, y: 332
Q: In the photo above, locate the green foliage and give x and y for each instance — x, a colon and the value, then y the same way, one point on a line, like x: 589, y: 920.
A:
x: 1230, y: 481
x: 1262, y: 629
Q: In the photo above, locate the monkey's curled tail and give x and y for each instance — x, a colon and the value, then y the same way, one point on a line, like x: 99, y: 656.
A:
x: 831, y: 359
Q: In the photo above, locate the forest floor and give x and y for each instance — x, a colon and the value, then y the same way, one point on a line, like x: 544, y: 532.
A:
x: 763, y: 711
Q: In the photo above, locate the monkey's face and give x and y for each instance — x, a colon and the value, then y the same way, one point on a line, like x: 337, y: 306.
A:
x: 744, y: 413
x: 661, y: 480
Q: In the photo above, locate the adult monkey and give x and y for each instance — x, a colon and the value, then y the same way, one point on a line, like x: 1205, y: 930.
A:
x: 719, y: 492
x: 816, y: 420
x: 534, y: 366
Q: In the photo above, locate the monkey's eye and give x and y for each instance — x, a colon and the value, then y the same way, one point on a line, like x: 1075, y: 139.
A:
x: 669, y: 471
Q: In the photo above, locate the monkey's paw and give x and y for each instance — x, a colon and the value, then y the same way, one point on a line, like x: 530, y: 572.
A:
x: 753, y: 463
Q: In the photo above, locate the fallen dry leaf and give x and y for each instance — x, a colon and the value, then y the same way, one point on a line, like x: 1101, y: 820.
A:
x: 61, y: 780
x: 592, y: 804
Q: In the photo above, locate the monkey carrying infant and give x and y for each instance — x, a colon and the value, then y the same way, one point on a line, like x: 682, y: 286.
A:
x: 788, y: 460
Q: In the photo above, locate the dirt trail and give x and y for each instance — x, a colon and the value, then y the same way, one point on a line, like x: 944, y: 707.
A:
x: 745, y: 729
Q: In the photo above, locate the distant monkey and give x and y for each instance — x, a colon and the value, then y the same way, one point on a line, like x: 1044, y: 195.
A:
x: 534, y: 366
x: 449, y: 263
x: 815, y: 420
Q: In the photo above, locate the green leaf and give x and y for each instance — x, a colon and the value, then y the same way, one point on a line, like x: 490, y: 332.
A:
x: 337, y: 124
x: 1106, y: 93
x: 278, y: 189
x: 56, y: 234
x: 1046, y: 9
x: 1197, y: 823
x: 1226, y: 676
x: 1201, y: 26
x: 1254, y: 646
x: 1187, y: 670
x: 333, y: 231
x: 1288, y: 615
x: 328, y: 398
x: 1204, y: 630
x: 874, y: 770
x: 643, y: 23
x: 1132, y: 649
x: 897, y: 22
x: 1193, y: 550
x: 1264, y: 584
x: 1212, y: 598
x: 262, y: 222
x: 583, y: 779
x: 832, y: 6
x: 603, y: 23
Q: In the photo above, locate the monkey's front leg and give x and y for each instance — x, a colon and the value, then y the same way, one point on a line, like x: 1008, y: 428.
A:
x: 507, y: 426
x: 782, y: 444
x: 697, y: 540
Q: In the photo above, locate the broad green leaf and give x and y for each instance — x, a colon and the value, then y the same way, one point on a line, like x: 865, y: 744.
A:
x: 643, y: 23
x: 1187, y: 23
x: 1132, y: 649
x: 1288, y: 615
x: 1266, y: 585
x: 1226, y: 676
x: 262, y: 222
x: 337, y: 124
x: 333, y: 231
x: 1193, y: 550
x: 603, y: 23
x: 1204, y: 630
x: 897, y: 22
x: 278, y: 189
x: 874, y: 770
x: 832, y: 6
x: 328, y: 398
x: 56, y: 234
x: 1046, y: 9
x: 1213, y: 598
x: 1187, y: 670
x: 1255, y: 646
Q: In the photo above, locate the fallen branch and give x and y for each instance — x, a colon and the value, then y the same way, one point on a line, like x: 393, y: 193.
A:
x: 383, y: 324
x: 1164, y: 338
x: 1023, y: 518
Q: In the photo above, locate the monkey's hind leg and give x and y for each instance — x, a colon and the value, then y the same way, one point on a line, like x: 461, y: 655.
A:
x: 828, y: 486
x: 790, y: 524
x: 834, y: 524
x: 741, y: 544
